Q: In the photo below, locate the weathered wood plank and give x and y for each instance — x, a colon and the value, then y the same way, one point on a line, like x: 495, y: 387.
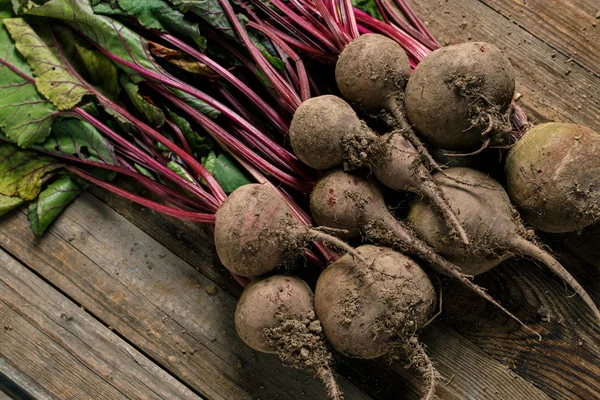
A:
x: 155, y: 300
x: 468, y: 372
x: 15, y: 384
x: 374, y: 376
x: 552, y: 88
x: 569, y: 26
x: 68, y: 353
x: 566, y: 363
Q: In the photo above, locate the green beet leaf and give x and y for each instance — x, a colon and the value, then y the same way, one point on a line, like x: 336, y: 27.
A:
x: 112, y: 37
x: 25, y: 115
x: 209, y: 161
x: 9, y: 203
x: 368, y: 6
x: 77, y: 138
x: 228, y: 174
x: 160, y: 15
x: 89, y: 62
x: 210, y: 11
x: 179, y: 170
x: 22, y: 172
x: 200, y: 145
x: 52, y: 79
x: 153, y: 114
x: 144, y: 171
x: 52, y: 201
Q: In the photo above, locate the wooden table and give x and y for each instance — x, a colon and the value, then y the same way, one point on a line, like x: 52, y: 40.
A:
x: 117, y: 302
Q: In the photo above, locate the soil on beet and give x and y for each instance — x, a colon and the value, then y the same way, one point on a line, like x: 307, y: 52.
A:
x: 300, y: 343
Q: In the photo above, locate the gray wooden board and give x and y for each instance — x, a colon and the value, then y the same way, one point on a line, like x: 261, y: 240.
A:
x: 68, y: 353
x: 17, y: 385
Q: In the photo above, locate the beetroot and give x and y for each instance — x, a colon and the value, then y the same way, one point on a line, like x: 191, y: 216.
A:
x: 255, y: 232
x: 486, y: 212
x: 553, y: 177
x: 371, y: 74
x: 326, y: 132
x: 344, y: 201
x: 459, y: 97
x: 368, y: 310
x: 276, y: 315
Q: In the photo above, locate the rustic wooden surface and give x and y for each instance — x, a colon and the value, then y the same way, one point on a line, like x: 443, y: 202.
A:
x: 119, y: 302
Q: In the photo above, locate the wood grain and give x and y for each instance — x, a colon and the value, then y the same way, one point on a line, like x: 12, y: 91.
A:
x: 68, y: 353
x: 172, y: 313
x: 16, y: 385
x: 569, y: 26
x: 565, y: 364
x: 552, y: 88
x: 376, y: 377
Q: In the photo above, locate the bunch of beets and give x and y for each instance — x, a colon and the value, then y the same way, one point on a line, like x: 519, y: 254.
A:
x: 290, y: 125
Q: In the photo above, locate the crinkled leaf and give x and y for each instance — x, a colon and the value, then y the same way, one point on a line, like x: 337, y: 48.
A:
x: 108, y: 7
x: 160, y: 15
x: 52, y: 201
x: 89, y: 62
x: 9, y: 203
x: 153, y: 114
x: 53, y: 78
x: 179, y: 170
x: 182, y: 60
x: 199, y: 145
x: 77, y: 138
x: 25, y: 115
x: 112, y: 37
x: 22, y: 171
x: 101, y: 71
x: 228, y: 174
x: 210, y: 11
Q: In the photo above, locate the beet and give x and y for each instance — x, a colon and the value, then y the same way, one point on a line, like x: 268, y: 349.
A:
x: 553, y: 177
x: 344, y: 201
x: 276, y: 315
x: 459, y: 97
x: 318, y: 128
x: 485, y: 210
x: 368, y: 310
x: 255, y: 232
x: 371, y: 73
x: 326, y: 132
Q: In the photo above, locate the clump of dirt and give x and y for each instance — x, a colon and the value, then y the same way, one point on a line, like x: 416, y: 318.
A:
x: 299, y: 342
x: 362, y: 148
